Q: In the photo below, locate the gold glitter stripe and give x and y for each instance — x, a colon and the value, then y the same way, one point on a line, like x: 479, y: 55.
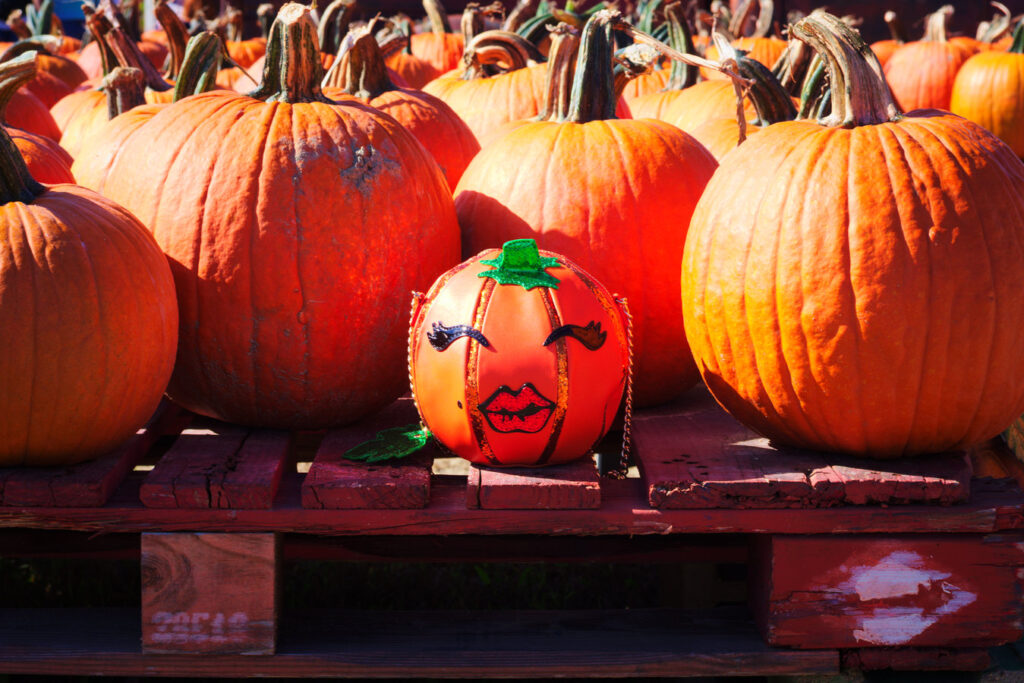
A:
x: 476, y: 418
x: 562, y: 400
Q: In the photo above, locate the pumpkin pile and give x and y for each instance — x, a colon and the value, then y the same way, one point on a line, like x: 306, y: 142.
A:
x: 802, y: 225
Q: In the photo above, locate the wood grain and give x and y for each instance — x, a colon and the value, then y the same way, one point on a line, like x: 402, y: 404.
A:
x: 572, y: 486
x: 231, y: 467
x: 916, y: 659
x: 693, y: 454
x: 209, y: 593
x: 335, y: 483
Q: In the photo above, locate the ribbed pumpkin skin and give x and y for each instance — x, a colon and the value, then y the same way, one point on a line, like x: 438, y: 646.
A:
x: 989, y: 90
x: 436, y: 125
x: 27, y: 112
x: 721, y: 136
x: 295, y: 235
x: 90, y: 327
x: 921, y: 74
x: 486, y: 103
x: 246, y: 52
x: 442, y: 50
x: 645, y: 84
x: 92, y: 165
x: 883, y: 49
x: 765, y: 50
x: 46, y: 160
x: 693, y: 106
x: 81, y: 115
x: 92, y: 65
x: 615, y: 197
x: 862, y: 296
x: 416, y: 72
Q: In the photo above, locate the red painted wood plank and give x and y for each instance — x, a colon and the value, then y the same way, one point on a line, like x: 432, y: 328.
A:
x: 209, y: 593
x: 406, y: 644
x: 895, y: 591
x: 337, y: 484
x: 916, y: 659
x: 624, y: 511
x: 574, y: 485
x: 229, y: 467
x: 695, y: 455
x: 88, y: 484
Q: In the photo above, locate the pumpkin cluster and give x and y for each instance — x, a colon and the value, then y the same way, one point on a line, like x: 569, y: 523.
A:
x: 829, y: 235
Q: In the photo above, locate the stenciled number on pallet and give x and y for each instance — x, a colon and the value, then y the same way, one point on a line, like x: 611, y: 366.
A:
x: 183, y: 628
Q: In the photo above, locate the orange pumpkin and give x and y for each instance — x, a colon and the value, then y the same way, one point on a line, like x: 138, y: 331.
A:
x: 45, y: 159
x: 416, y: 72
x: 614, y: 195
x: 766, y: 50
x: 296, y: 229
x: 361, y: 74
x: 861, y: 296
x: 88, y: 316
x: 989, y: 90
x: 440, y: 47
x: 518, y: 358
x: 921, y: 74
x: 883, y: 49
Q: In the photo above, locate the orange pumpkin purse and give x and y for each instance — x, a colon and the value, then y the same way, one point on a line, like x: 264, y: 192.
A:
x: 518, y: 357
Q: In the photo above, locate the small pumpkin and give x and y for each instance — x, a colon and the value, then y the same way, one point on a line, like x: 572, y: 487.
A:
x: 883, y: 49
x: 989, y: 90
x: 441, y: 47
x: 89, y: 319
x: 921, y: 73
x: 46, y: 160
x: 361, y: 73
x: 518, y: 358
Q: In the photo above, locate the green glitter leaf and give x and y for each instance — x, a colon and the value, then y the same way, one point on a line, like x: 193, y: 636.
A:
x: 520, y: 263
x: 390, y: 444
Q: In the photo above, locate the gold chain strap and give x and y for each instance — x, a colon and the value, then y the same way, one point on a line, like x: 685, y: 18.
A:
x: 627, y: 427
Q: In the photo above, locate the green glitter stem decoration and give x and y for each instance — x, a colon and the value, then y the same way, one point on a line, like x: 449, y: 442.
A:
x: 390, y: 444
x: 520, y: 263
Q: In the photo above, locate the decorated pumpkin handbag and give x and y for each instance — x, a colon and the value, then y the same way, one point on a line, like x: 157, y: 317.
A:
x: 517, y: 358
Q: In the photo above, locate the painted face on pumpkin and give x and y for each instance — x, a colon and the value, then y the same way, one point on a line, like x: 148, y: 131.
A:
x: 525, y: 410
x: 518, y: 364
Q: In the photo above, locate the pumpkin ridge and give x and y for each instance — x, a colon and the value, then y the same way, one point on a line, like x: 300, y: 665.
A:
x: 473, y: 375
x: 25, y: 219
x: 981, y: 223
x: 902, y: 156
x: 788, y: 390
x: 562, y: 362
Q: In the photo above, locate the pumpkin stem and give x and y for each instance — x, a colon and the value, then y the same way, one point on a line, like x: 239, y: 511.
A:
x: 523, y: 10
x: 13, y: 75
x: 791, y: 67
x: 497, y: 52
x: 98, y: 26
x: 1017, y: 47
x: 991, y: 31
x: 40, y: 21
x: 437, y: 16
x: 520, y: 263
x: 200, y: 65
x: 334, y: 24
x: 126, y: 89
x: 361, y: 71
x: 265, y: 15
x: 896, y: 30
x: 16, y: 22
x: 682, y: 75
x: 935, y: 26
x: 128, y: 54
x: 565, y: 43
x: 472, y: 23
x: 177, y: 36
x: 43, y: 44
x: 765, y: 15
x: 16, y: 183
x: 234, y: 23
x: 771, y: 101
x: 860, y: 94
x: 292, y: 71
x: 738, y: 21
x: 815, y: 88
x: 632, y: 62
x: 593, y: 85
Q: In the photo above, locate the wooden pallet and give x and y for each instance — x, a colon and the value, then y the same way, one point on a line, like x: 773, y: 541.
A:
x: 851, y: 563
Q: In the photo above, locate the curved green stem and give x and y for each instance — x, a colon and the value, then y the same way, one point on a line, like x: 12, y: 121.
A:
x: 437, y: 16
x: 682, y: 75
x: 13, y: 75
x: 593, y: 87
x: 1017, y: 47
x: 565, y: 43
x: 177, y: 36
x: 361, y: 71
x: 200, y: 65
x: 860, y: 95
x: 125, y: 88
x: 292, y: 71
x: 16, y: 183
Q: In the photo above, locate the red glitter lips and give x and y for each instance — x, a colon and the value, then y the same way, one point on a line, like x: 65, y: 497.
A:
x: 526, y: 410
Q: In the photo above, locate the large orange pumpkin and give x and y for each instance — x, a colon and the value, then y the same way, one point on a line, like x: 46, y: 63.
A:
x: 88, y: 316
x: 296, y: 227
x: 613, y: 195
x: 862, y: 295
x: 45, y: 159
x: 361, y: 73
x: 518, y: 358
x: 989, y: 90
x: 921, y: 74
